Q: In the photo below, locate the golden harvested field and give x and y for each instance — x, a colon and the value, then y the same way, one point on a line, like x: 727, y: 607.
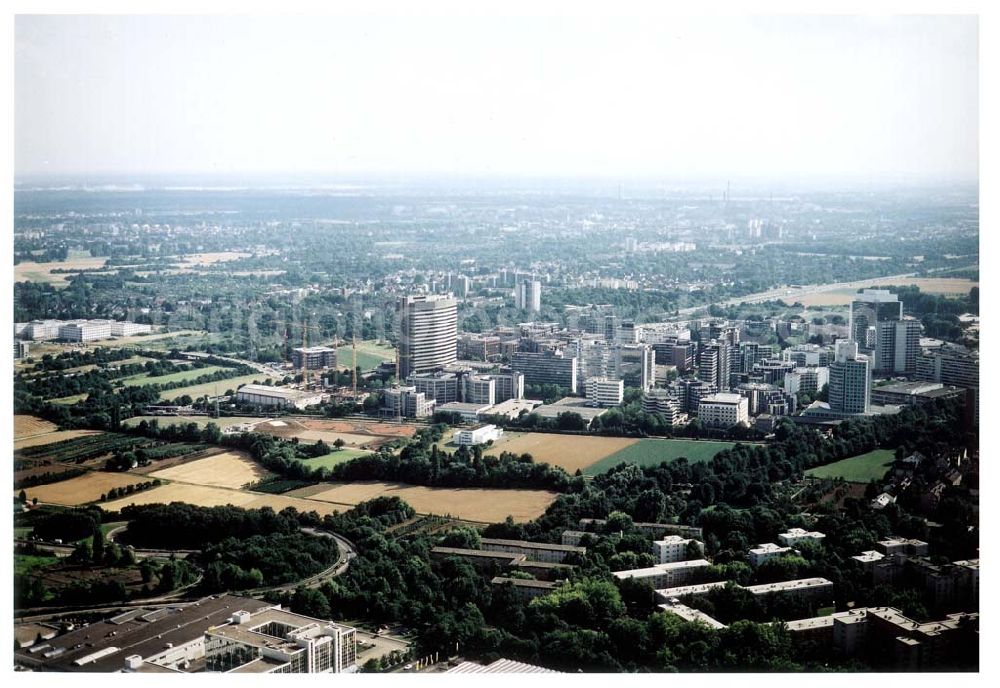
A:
x: 569, y: 452
x: 26, y: 426
x: 467, y: 503
x: 27, y: 271
x: 843, y: 297
x: 229, y: 469
x: 51, y: 437
x: 202, y: 495
x: 81, y: 489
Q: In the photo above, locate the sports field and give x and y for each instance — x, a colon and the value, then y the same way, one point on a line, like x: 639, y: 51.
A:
x: 333, y: 458
x: 569, y: 452
x: 652, y: 452
x: 26, y: 426
x: 229, y: 469
x: 82, y: 489
x: 467, y: 503
x: 857, y: 469
x: 203, y: 495
x: 370, y: 355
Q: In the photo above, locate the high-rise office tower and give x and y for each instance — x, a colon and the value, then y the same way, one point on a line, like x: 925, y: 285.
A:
x: 871, y: 313
x: 528, y: 296
x: 897, y: 345
x: 713, y: 365
x: 428, y: 330
x: 850, y: 380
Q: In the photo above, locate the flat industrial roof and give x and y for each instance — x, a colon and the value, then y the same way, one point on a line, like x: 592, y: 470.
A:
x: 137, y: 636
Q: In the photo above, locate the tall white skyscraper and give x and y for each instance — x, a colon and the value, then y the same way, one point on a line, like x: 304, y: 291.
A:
x: 528, y: 296
x: 428, y: 332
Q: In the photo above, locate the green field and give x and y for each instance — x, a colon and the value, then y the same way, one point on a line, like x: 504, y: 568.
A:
x: 333, y: 458
x: 26, y: 562
x: 370, y: 355
x: 182, y: 376
x: 209, y: 388
x: 648, y: 452
x: 857, y: 469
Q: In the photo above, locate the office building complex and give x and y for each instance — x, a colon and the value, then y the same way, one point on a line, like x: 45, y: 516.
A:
x: 440, y: 386
x: 406, y: 402
x: 806, y: 380
x: 274, y: 641
x: 950, y: 364
x: 546, y: 368
x: 428, y: 330
x: 873, y: 315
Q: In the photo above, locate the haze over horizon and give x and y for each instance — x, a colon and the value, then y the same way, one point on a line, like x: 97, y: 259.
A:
x: 754, y: 98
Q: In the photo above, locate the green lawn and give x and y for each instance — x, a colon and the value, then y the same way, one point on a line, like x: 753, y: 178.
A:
x: 651, y: 452
x: 209, y: 388
x: 26, y: 562
x: 370, y: 355
x: 857, y: 469
x: 333, y: 458
x: 182, y: 376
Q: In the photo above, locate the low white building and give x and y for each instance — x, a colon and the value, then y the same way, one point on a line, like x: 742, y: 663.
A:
x: 282, y: 397
x: 674, y: 548
x: 128, y: 329
x: 85, y: 330
x: 724, y: 410
x: 796, y: 535
x: 765, y: 552
x: 604, y: 392
x: 667, y: 575
x: 478, y: 435
x: 42, y: 330
x: 469, y: 412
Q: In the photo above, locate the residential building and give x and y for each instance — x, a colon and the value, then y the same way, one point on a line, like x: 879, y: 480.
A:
x: 804, y: 588
x: 485, y: 562
x: 428, y: 330
x: 765, y: 398
x: 281, y: 397
x: 655, y: 530
x: 723, y: 410
x: 689, y: 591
x: 868, y: 559
x: 850, y: 380
x: 794, y: 536
x: 665, y: 403
x: 525, y: 589
x: 603, y: 392
x: 691, y: 614
x: 908, y: 546
x: 675, y: 548
x: 765, y: 552
x: 667, y: 575
x: 528, y: 296
x: 478, y: 435
x: 533, y: 551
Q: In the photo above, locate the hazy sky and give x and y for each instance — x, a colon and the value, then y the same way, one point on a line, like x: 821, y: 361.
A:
x: 765, y: 97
